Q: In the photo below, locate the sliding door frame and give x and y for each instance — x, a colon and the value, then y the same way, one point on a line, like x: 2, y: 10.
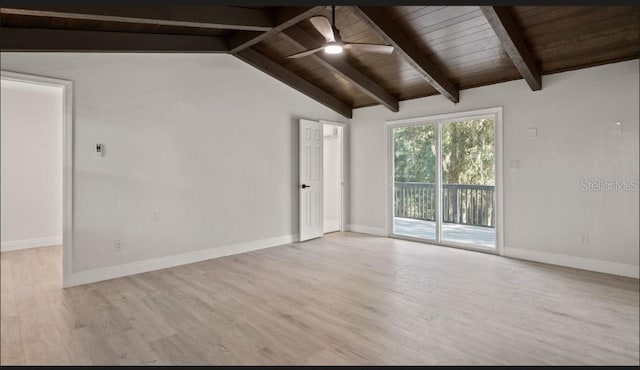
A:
x: 438, y: 121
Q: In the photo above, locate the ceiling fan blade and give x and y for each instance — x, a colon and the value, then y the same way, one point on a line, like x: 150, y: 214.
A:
x: 322, y: 24
x: 305, y: 53
x: 371, y: 48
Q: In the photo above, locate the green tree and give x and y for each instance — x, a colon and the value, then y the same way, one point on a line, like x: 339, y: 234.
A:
x: 467, y: 153
x: 415, y: 154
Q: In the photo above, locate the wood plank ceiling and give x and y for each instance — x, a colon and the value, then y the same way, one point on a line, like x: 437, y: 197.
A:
x: 438, y: 49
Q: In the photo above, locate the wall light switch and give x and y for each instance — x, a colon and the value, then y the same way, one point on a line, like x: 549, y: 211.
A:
x: 584, y: 238
x: 99, y: 150
x: 532, y: 133
x: 616, y: 127
x: 514, y: 164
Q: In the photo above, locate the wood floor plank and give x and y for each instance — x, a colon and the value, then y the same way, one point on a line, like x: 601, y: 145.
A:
x: 41, y: 341
x: 345, y: 299
x: 8, y: 305
x: 132, y: 349
x: 85, y: 347
x: 11, y: 352
x: 179, y: 349
x: 143, y: 320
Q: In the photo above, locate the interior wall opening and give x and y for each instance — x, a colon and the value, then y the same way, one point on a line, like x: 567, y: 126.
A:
x: 333, y: 182
x: 31, y: 121
x: 37, y: 168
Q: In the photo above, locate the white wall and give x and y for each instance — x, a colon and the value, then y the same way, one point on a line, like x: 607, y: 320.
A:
x: 544, y: 206
x: 332, y: 179
x: 31, y: 134
x: 208, y: 141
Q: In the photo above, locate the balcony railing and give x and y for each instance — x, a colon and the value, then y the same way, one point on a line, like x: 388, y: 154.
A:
x: 461, y: 204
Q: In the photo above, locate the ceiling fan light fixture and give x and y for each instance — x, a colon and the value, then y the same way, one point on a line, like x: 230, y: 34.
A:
x: 334, y: 45
x: 333, y: 49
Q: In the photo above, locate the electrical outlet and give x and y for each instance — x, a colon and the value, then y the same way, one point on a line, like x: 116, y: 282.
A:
x: 584, y: 238
x: 117, y: 246
x: 156, y: 215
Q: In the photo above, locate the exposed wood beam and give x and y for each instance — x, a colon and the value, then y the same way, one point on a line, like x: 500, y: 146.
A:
x: 284, y: 18
x: 513, y: 43
x: 36, y: 39
x: 291, y: 79
x: 221, y: 17
x: 337, y: 64
x: 378, y: 19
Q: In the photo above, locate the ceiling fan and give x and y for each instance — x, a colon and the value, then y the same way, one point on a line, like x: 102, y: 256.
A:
x: 334, y: 44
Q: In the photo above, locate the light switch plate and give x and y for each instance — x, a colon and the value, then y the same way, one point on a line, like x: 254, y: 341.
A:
x: 532, y: 133
x: 514, y: 164
x: 616, y: 127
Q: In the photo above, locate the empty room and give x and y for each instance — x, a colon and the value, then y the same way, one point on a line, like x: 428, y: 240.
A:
x: 319, y: 185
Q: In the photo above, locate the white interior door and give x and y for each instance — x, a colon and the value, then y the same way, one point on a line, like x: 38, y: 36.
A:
x: 310, y: 187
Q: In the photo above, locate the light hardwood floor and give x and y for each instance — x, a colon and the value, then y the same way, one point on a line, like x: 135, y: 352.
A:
x: 344, y: 299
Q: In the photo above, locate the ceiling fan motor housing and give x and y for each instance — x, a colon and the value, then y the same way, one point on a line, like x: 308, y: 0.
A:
x: 336, y: 35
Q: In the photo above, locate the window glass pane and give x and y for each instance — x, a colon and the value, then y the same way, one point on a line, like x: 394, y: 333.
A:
x: 414, y: 181
x: 468, y: 182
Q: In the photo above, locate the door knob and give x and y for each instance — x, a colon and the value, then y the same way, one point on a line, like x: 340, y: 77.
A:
x: 304, y: 186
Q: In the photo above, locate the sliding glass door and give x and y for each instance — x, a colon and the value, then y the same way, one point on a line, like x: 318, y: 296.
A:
x: 414, y: 181
x: 444, y: 180
x: 468, y: 182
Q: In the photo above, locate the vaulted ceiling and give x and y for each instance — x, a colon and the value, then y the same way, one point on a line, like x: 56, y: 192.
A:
x: 437, y: 49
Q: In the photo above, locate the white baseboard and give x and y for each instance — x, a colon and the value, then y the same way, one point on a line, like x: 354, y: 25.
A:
x: 590, y: 264
x: 367, y: 230
x: 92, y: 276
x: 330, y: 226
x: 30, y: 243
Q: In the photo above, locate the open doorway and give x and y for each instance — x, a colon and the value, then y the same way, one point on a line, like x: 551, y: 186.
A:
x: 333, y: 177
x: 36, y: 169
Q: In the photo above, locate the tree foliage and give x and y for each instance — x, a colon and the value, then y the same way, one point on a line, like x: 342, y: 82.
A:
x: 415, y: 154
x: 467, y: 152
